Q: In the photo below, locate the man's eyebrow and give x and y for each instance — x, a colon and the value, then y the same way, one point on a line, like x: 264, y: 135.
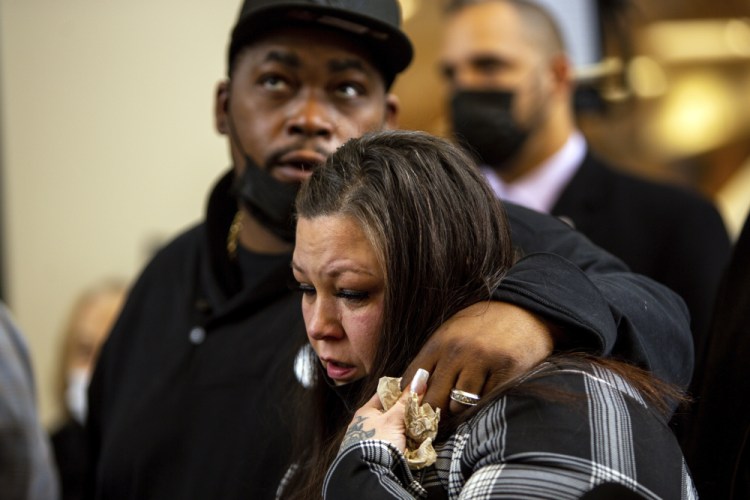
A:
x: 286, y: 58
x: 337, y: 65
x: 487, y: 59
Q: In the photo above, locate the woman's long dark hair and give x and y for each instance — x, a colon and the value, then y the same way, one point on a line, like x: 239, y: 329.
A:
x: 441, y: 238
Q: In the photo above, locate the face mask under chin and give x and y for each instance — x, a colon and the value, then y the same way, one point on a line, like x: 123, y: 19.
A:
x: 270, y: 201
x: 483, y: 123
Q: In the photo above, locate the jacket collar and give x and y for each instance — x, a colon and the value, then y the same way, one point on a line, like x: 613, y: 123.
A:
x: 588, y: 190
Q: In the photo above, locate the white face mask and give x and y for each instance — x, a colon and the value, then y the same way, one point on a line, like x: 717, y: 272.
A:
x: 76, y: 397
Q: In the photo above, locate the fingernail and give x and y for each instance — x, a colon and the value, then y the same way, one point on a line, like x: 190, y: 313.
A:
x: 419, y: 382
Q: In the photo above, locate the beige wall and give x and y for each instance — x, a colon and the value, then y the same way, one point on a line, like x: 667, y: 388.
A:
x: 108, y: 145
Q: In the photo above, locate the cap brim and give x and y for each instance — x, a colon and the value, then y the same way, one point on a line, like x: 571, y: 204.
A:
x: 389, y: 45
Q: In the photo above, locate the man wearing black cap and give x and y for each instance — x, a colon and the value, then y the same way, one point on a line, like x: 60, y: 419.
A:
x: 193, y: 393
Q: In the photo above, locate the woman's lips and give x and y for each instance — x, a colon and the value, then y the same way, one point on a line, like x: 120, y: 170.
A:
x: 339, y: 371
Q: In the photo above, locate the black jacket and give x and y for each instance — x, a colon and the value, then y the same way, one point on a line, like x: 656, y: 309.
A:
x: 190, y: 396
x: 665, y: 232
x: 71, y: 457
x: 717, y: 446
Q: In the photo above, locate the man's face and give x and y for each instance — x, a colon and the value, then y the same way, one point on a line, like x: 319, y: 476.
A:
x: 296, y: 95
x: 485, y: 47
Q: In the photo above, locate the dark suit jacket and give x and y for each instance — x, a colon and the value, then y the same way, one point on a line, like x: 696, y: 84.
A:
x: 717, y: 447
x: 665, y: 232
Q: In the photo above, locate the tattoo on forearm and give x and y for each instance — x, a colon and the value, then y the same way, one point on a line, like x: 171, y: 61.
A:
x: 356, y: 432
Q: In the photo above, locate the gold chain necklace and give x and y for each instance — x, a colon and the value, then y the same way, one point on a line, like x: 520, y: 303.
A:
x: 233, y: 237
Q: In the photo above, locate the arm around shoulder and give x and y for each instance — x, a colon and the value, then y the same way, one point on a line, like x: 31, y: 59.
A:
x: 597, y: 303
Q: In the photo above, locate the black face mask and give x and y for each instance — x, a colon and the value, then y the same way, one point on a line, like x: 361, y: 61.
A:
x: 483, y: 124
x: 270, y: 201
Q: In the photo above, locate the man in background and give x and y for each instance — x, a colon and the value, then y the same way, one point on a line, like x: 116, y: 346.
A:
x: 511, y: 85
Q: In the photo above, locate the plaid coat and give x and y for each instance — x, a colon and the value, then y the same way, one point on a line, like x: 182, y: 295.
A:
x: 578, y: 429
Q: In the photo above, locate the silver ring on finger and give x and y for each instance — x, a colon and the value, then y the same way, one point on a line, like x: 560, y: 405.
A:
x: 464, y: 398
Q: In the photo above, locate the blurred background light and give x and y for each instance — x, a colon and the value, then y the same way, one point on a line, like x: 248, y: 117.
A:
x: 647, y: 77
x: 737, y: 33
x: 409, y: 8
x: 698, y: 114
x: 699, y: 40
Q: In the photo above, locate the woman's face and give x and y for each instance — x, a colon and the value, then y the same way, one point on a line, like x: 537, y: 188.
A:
x: 343, y: 288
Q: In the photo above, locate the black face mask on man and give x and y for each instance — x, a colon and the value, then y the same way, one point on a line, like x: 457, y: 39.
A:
x: 483, y: 124
x: 267, y: 199
x: 270, y: 201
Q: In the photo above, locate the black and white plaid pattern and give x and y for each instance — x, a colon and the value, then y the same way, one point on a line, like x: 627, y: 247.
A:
x: 598, y: 430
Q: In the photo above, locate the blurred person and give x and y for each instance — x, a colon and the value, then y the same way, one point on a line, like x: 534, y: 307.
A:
x: 88, y: 325
x: 717, y: 444
x: 406, y: 225
x: 511, y: 87
x: 26, y: 466
x: 189, y: 398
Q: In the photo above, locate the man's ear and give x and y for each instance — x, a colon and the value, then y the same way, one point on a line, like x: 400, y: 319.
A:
x: 562, y: 72
x: 392, y: 108
x: 221, y: 107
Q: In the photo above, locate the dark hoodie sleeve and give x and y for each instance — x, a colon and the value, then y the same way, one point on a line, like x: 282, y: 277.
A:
x: 600, y: 305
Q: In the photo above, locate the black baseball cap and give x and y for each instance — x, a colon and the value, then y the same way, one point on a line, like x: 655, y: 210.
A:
x: 376, y: 24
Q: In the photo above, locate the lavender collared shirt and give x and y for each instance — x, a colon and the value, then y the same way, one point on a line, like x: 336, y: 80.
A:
x: 541, y: 188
